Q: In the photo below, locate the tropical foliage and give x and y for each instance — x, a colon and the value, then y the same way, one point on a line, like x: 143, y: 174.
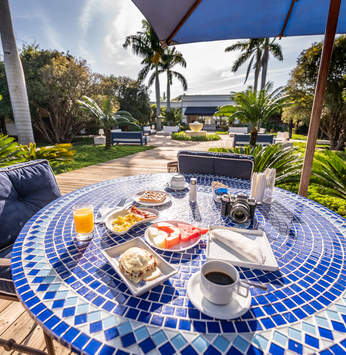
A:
x: 10, y: 152
x: 58, y: 153
x: 287, y: 162
x: 329, y: 173
x: 302, y: 86
x: 258, y: 50
x: 106, y: 117
x: 251, y: 106
x: 147, y: 45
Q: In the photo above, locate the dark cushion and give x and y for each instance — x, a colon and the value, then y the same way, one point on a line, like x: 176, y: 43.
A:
x: 6, y: 283
x: 24, y: 189
x: 224, y: 164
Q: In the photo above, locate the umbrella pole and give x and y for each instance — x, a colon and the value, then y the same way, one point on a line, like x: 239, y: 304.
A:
x: 327, y: 51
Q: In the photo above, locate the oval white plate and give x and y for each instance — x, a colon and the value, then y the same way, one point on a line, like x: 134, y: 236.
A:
x: 232, y: 310
x: 115, y: 215
x: 137, y: 195
x: 177, y: 188
x: 179, y: 247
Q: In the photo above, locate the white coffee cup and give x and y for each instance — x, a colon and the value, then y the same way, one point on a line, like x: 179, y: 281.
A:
x: 217, y: 293
x: 178, y: 181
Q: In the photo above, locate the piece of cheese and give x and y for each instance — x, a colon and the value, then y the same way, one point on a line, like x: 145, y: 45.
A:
x: 160, y: 240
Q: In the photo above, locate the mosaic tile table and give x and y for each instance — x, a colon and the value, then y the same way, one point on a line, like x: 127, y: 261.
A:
x: 79, y: 299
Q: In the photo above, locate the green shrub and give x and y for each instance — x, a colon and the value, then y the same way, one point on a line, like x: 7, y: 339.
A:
x: 181, y: 136
x: 10, y: 152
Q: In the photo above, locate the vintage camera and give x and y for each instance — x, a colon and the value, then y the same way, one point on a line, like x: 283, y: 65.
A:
x: 240, y: 208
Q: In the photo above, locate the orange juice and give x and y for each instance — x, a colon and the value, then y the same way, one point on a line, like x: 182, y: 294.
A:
x: 83, y: 220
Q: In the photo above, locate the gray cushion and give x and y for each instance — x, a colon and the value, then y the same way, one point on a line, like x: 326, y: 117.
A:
x: 224, y: 164
x: 6, y: 283
x: 24, y: 189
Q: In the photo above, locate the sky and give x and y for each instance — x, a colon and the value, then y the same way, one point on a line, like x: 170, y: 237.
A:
x: 95, y: 30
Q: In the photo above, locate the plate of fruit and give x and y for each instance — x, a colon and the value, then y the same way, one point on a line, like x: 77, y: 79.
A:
x: 173, y: 235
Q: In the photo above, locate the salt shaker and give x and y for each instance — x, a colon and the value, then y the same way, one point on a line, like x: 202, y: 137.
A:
x: 193, y: 190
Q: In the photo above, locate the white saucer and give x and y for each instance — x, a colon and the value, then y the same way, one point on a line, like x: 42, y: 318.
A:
x: 177, y: 188
x: 232, y: 310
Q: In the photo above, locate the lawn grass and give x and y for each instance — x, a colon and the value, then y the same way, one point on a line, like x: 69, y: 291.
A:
x: 89, y: 154
x: 181, y: 136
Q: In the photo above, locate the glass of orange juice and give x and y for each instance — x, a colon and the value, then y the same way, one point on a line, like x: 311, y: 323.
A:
x: 83, y: 217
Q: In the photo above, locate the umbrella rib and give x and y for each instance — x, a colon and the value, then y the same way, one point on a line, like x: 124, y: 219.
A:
x: 182, y: 21
x: 287, y: 18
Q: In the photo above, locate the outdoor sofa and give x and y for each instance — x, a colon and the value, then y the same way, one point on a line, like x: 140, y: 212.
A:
x: 147, y: 130
x: 234, y: 130
x: 224, y: 164
x: 128, y: 137
x: 243, y: 139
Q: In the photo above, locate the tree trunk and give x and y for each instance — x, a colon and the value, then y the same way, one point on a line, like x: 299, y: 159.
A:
x: 157, y: 91
x: 253, y: 137
x: 257, y: 71
x: 265, y: 59
x: 15, y: 77
x: 108, y: 139
x: 168, y: 93
x: 296, y: 127
x: 3, y: 126
x: 290, y: 128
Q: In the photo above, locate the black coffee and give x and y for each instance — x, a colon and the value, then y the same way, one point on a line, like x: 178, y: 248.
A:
x: 219, y: 278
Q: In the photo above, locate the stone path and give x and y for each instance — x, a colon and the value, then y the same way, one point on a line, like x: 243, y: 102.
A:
x: 147, y: 162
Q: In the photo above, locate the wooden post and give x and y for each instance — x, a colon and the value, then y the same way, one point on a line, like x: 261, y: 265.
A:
x: 327, y: 51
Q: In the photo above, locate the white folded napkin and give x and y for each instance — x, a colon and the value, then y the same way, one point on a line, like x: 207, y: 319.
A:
x: 242, y: 245
x: 259, y: 184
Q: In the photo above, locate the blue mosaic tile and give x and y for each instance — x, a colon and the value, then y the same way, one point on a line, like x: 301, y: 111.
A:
x: 308, y: 241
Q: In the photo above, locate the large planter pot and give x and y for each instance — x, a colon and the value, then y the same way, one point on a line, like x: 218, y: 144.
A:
x: 196, y: 126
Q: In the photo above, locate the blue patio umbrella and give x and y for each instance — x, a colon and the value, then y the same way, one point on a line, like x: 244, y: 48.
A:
x: 190, y: 21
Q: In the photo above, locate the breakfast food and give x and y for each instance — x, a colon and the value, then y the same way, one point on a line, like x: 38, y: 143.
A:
x: 166, y: 235
x: 216, y: 184
x: 144, y: 214
x: 122, y: 223
x: 241, y: 244
x: 153, y: 196
x: 138, y: 264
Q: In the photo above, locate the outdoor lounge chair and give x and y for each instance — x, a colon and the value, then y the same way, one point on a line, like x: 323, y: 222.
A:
x: 24, y: 189
x: 224, y: 164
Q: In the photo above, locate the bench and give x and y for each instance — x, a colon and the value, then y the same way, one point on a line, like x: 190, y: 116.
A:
x: 128, y: 137
x: 243, y: 139
x: 147, y: 130
x: 224, y: 164
x: 234, y: 130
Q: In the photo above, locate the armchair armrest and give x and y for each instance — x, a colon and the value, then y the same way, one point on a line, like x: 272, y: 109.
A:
x: 5, y: 262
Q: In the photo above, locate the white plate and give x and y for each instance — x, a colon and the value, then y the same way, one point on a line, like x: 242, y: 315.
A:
x: 112, y: 217
x: 143, y: 286
x: 137, y: 195
x: 179, y: 247
x: 236, y: 308
x: 217, y: 250
x: 177, y: 188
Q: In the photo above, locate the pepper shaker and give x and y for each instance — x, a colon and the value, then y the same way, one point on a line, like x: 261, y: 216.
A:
x: 193, y: 190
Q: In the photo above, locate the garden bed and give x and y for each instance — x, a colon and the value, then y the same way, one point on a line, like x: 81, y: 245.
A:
x: 181, y: 136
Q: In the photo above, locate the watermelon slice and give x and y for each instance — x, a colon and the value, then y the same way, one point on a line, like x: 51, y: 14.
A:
x: 188, y: 232
x: 204, y: 230
x: 166, y: 227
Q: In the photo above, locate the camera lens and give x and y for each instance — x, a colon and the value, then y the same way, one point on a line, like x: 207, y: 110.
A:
x: 240, y: 212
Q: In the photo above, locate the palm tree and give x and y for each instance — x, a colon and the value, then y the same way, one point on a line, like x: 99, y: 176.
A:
x: 147, y: 45
x: 252, y: 106
x: 15, y: 77
x: 269, y: 47
x: 258, y: 50
x: 106, y: 118
x: 170, y: 58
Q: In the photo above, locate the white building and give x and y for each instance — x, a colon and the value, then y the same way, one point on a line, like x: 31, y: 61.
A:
x: 200, y: 107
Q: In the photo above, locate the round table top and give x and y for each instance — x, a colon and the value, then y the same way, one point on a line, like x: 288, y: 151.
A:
x: 79, y: 299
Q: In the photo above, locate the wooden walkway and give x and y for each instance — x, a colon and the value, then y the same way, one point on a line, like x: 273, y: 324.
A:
x: 15, y: 322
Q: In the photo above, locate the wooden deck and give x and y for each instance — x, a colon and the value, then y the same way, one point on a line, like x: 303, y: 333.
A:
x: 15, y: 322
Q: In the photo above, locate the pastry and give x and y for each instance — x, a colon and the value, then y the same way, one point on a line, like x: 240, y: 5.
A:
x: 153, y: 196
x: 138, y: 264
